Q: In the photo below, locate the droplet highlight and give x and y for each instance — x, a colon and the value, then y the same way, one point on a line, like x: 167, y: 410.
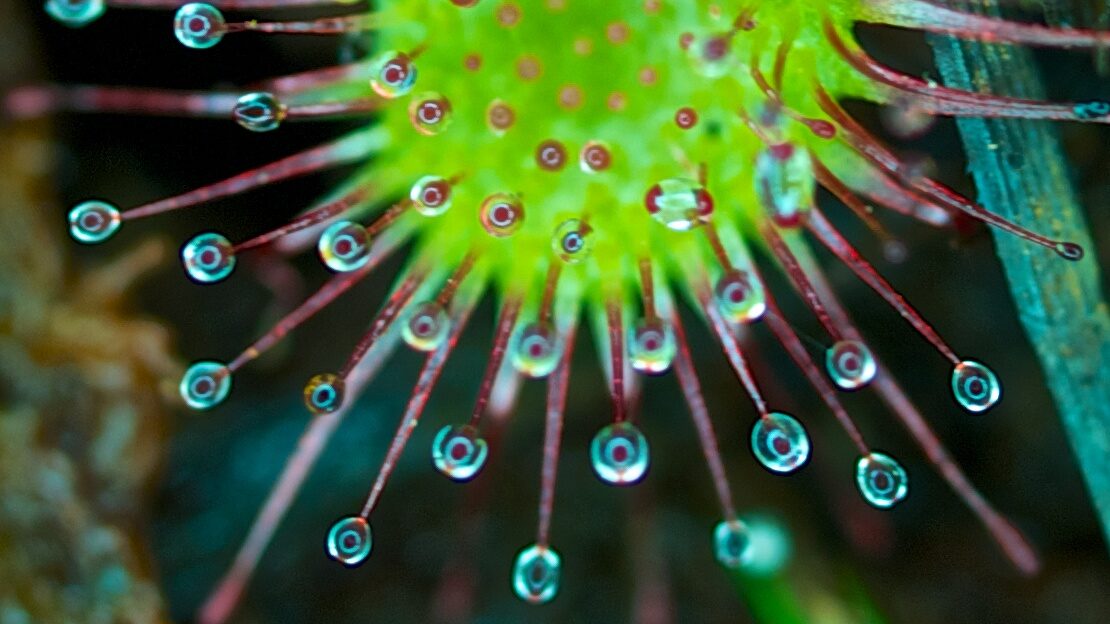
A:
x: 93, y: 221
x: 205, y: 384
x: 459, y: 452
x: 619, y: 454
x: 679, y: 203
x: 199, y: 25
x: 502, y: 214
x: 323, y: 393
x: 344, y: 246
x: 393, y: 74
x: 536, y: 574
x: 740, y: 298
x: 732, y: 544
x: 881, y: 480
x: 536, y: 353
x: 430, y: 113
x: 426, y: 327
x: 652, y: 347
x: 573, y: 241
x: 208, y: 258
x: 350, y: 541
x: 780, y: 443
x: 258, y: 112
x: 431, y: 196
x: 975, y: 386
x: 850, y: 364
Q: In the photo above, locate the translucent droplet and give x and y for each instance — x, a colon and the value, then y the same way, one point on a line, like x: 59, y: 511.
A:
x: 679, y: 203
x: 536, y: 351
x: 350, y: 541
x: 573, y: 241
x: 732, y: 544
x: 426, y: 327
x: 431, y: 196
x: 75, y: 13
x: 536, y: 574
x: 975, y: 386
x: 205, y: 384
x: 739, y: 298
x: 502, y: 214
x: 850, y: 364
x: 551, y: 155
x: 595, y: 157
x: 785, y: 183
x: 208, y: 258
x: 1069, y: 251
x: 881, y: 480
x: 323, y: 393
x: 198, y: 25
x: 652, y: 348
x: 93, y: 221
x: 393, y: 75
x: 780, y: 442
x: 712, y: 55
x: 344, y: 246
x: 619, y: 454
x: 259, y: 112
x: 686, y: 117
x: 430, y: 113
x: 459, y: 452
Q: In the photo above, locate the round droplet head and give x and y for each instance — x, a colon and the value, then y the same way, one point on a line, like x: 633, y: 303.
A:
x: 258, y: 112
x: 881, y: 480
x: 780, y: 443
x: 198, y: 25
x: 850, y: 364
x: 426, y: 327
x: 619, y: 454
x: 536, y: 574
x: 205, y: 384
x: 430, y: 113
x: 344, y: 246
x: 393, y: 74
x: 679, y: 203
x: 732, y: 544
x: 686, y: 118
x: 459, y: 452
x: 572, y: 241
x: 975, y: 386
x: 551, y: 155
x: 75, y: 13
x: 323, y: 393
x: 208, y: 258
x: 739, y: 298
x: 500, y: 117
x: 652, y: 347
x: 595, y: 157
x: 93, y: 221
x: 536, y: 351
x: 1069, y: 251
x: 502, y: 214
x: 431, y: 196
x: 350, y: 540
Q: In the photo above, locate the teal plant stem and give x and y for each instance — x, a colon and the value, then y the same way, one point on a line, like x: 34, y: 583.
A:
x: 1022, y: 175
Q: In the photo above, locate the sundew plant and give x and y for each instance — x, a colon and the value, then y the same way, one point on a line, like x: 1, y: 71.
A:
x: 623, y: 168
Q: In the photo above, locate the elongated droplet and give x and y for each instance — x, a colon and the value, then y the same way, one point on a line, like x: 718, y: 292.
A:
x: 780, y: 442
x: 573, y: 241
x: 740, y: 298
x: 93, y: 221
x: 679, y: 204
x: 394, y: 74
x: 850, y: 364
x: 430, y: 113
x: 208, y: 258
x: 344, y: 246
x: 259, y: 112
x: 75, y: 13
x: 426, y: 326
x: 323, y: 393
x: 732, y: 544
x: 536, y: 351
x: 431, y: 196
x: 785, y: 183
x: 619, y: 454
x: 536, y: 574
x: 205, y: 384
x: 881, y: 480
x: 652, y: 347
x: 350, y: 541
x: 459, y: 452
x: 199, y: 25
x: 975, y: 386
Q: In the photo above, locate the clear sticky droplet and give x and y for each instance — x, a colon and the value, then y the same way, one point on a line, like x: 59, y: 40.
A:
x: 258, y: 112
x: 459, y: 452
x: 785, y: 183
x: 573, y: 241
x: 199, y: 25
x: 502, y: 214
x: 881, y: 480
x: 344, y: 246
x: 350, y: 541
x: 975, y: 386
x: 93, y: 221
x: 75, y: 13
x: 430, y: 113
x: 536, y: 351
x: 619, y: 454
x: 711, y: 55
x: 323, y: 393
x: 393, y: 74
x: 426, y: 327
x: 431, y: 195
x: 732, y: 544
x: 686, y: 117
x: 679, y: 203
x: 595, y: 157
x: 205, y: 384
x: 208, y: 258
x: 536, y: 574
x: 850, y: 364
x: 780, y: 443
x: 652, y: 347
x: 740, y: 298
x: 551, y: 155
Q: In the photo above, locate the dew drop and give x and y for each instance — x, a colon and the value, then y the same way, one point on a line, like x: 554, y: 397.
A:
x: 205, y: 384
x: 259, y: 112
x: 780, y: 442
x: 975, y: 386
x: 459, y: 452
x: 75, y: 13
x: 732, y: 544
x: 739, y: 298
x: 208, y: 258
x: 573, y: 241
x: 619, y: 454
x: 679, y: 203
x: 350, y: 541
x: 536, y: 351
x: 502, y: 214
x: 93, y: 221
x: 430, y: 113
x: 393, y: 74
x: 551, y: 155
x: 344, y: 246
x: 431, y: 196
x: 426, y: 327
x: 652, y: 348
x: 785, y: 183
x: 536, y: 574
x: 850, y: 364
x: 881, y: 480
x: 199, y: 25
x: 595, y: 157
x: 323, y: 393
